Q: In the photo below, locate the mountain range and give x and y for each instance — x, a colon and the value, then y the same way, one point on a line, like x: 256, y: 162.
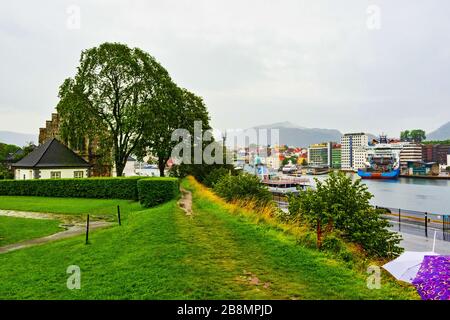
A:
x: 292, y: 135
x: 289, y: 134
x: 18, y: 139
x: 442, y: 133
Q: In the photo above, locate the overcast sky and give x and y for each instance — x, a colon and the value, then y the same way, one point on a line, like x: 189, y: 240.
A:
x: 375, y: 66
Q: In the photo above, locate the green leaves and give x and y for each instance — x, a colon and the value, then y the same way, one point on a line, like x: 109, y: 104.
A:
x: 100, y: 188
x: 113, y: 99
x: 416, y: 135
x: 126, y: 102
x: 343, y: 204
x: 242, y: 187
x: 154, y: 191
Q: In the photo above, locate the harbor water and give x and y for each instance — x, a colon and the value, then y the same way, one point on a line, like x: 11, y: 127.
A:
x: 427, y: 195
x: 415, y: 194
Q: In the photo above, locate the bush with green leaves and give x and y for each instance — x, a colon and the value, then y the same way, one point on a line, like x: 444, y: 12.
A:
x: 339, y: 203
x: 102, y: 188
x: 215, y: 175
x: 201, y: 172
x: 154, y: 191
x: 243, y: 186
x: 5, y: 173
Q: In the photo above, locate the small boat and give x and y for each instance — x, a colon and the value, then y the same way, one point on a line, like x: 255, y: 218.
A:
x: 289, y: 168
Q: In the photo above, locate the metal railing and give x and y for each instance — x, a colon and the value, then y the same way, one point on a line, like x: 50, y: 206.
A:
x: 409, y: 221
x: 419, y: 222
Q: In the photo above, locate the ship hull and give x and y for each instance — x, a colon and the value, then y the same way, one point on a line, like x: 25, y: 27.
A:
x: 394, y: 174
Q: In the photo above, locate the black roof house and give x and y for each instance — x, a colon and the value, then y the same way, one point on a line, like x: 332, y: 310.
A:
x: 52, y: 154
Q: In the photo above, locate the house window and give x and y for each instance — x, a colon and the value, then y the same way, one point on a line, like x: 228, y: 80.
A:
x: 55, y: 174
x: 78, y: 174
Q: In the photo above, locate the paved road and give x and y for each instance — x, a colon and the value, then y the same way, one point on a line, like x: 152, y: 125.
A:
x: 418, y: 230
x: 412, y: 242
x: 414, y: 235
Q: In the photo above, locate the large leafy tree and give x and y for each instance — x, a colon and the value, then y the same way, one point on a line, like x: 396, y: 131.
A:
x: 405, y: 135
x: 181, y: 109
x: 10, y: 153
x: 114, y: 99
x: 6, y: 150
x: 416, y: 135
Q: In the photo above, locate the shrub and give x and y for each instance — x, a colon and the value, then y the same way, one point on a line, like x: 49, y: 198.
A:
x: 215, y: 175
x: 332, y: 243
x: 154, y: 191
x: 107, y: 188
x: 243, y: 187
x: 342, y: 204
x: 307, y: 239
x: 201, y: 172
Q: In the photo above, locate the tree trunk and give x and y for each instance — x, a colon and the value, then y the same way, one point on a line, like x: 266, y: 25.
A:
x: 161, y: 166
x: 119, y: 168
x: 319, y: 234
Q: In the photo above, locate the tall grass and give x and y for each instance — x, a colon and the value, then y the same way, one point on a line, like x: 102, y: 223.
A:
x: 272, y: 216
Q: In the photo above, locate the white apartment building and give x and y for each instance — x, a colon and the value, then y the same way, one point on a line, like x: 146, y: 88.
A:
x: 410, y: 152
x: 354, y: 151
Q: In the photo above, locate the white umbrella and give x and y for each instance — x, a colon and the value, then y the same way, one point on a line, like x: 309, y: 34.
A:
x: 406, y: 266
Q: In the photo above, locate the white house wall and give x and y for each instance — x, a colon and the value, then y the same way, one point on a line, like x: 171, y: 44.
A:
x: 65, y: 173
x: 26, y: 174
x: 129, y: 170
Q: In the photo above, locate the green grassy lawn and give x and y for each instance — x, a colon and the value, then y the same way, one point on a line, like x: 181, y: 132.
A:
x: 161, y: 253
x: 14, y: 230
x: 68, y: 205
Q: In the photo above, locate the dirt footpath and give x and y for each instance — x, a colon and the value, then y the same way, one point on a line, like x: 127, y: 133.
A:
x: 71, y: 229
x: 185, y: 202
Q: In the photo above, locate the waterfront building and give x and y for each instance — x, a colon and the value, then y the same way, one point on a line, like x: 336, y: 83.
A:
x: 428, y: 153
x: 435, y: 153
x: 410, y: 152
x: 421, y: 168
x: 320, y: 154
x: 353, y: 151
x: 336, y: 152
x: 442, y: 150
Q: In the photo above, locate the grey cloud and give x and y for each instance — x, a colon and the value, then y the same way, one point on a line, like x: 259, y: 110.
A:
x: 314, y: 63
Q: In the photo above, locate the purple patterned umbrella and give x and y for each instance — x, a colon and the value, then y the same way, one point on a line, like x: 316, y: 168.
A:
x: 433, y: 279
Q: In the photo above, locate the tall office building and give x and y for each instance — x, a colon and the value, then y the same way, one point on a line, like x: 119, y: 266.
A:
x: 354, y: 150
x: 320, y: 154
x: 410, y: 152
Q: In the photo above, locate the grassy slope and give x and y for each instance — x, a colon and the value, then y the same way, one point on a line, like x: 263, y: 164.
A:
x: 14, y: 230
x: 67, y: 205
x: 161, y: 253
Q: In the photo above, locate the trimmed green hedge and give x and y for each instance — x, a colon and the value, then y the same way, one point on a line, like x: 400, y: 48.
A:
x: 149, y: 191
x: 104, y: 188
x: 153, y: 191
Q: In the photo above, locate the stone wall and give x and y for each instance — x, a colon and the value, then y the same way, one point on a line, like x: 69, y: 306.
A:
x: 88, y: 150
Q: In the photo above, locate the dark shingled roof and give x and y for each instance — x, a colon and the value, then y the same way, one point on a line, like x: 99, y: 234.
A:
x: 52, y: 154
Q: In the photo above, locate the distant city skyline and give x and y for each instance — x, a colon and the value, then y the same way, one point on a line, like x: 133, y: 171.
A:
x: 366, y: 66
